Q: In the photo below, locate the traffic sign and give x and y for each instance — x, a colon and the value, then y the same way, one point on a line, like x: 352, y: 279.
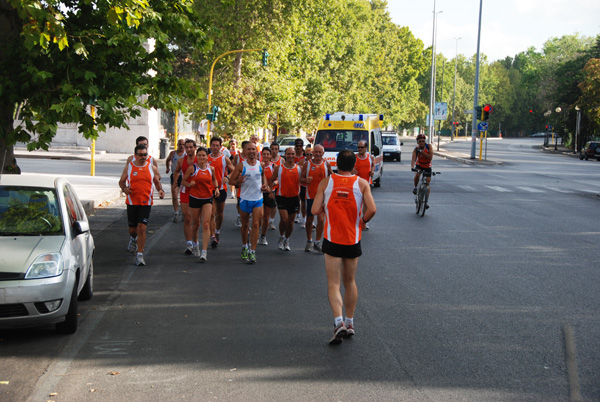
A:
x: 482, y: 126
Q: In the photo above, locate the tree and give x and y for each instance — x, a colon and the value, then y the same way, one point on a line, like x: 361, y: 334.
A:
x: 58, y: 57
x: 590, y: 89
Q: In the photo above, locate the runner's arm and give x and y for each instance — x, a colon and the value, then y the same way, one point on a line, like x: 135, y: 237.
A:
x: 185, y: 182
x: 318, y: 206
x: 157, y: 182
x: 234, y: 178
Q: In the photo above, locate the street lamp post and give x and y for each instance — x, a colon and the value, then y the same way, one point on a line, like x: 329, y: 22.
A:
x: 432, y: 83
x: 577, y: 125
x: 454, y: 96
x: 476, y: 95
x: 558, y: 110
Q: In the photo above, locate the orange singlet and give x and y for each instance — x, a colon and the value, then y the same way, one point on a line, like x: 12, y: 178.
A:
x: 318, y: 173
x: 289, y: 181
x: 140, y: 180
x: 203, y: 189
x: 343, y: 209
x: 363, y: 167
x: 184, y: 193
x: 220, y: 165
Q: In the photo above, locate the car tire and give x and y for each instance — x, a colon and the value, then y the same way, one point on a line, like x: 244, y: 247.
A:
x: 87, y: 292
x: 399, y: 157
x: 69, y: 325
x: 377, y: 183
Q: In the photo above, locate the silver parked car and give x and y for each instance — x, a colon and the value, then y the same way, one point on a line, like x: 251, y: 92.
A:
x: 46, y: 258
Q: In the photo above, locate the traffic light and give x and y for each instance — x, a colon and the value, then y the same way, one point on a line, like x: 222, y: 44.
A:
x: 478, y: 112
x: 209, y: 116
x: 487, y: 109
x: 215, y: 112
x: 264, y: 59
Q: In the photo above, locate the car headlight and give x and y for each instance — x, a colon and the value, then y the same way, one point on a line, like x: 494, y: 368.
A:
x: 45, y: 266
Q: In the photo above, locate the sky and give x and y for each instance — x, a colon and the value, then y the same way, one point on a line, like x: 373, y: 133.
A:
x: 508, y: 27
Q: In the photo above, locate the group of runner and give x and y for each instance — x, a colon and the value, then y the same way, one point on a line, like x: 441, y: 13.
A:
x: 300, y: 182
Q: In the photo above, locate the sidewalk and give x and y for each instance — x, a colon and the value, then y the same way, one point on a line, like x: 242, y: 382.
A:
x: 92, y: 191
x: 462, y: 157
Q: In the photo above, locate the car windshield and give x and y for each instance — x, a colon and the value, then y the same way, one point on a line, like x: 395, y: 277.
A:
x: 288, y: 141
x: 390, y: 140
x: 338, y: 140
x: 29, y: 211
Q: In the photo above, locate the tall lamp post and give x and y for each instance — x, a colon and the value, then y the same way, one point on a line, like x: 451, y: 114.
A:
x: 476, y: 95
x: 558, y: 110
x: 454, y: 96
x: 432, y: 83
x: 577, y: 125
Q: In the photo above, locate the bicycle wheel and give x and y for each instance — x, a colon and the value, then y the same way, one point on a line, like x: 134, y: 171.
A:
x: 421, y: 199
x: 418, y: 202
x: 425, y: 200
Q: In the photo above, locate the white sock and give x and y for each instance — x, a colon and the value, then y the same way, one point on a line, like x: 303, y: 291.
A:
x: 140, y: 254
x: 190, y: 243
x: 349, y: 321
x: 338, y: 320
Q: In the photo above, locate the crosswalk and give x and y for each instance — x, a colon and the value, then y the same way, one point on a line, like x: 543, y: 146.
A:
x: 527, y: 189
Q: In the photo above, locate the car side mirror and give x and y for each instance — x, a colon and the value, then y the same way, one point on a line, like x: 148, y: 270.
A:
x: 375, y: 150
x: 81, y: 227
x: 401, y: 143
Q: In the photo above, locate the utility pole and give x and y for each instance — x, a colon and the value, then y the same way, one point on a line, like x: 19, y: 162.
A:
x: 476, y: 98
x: 454, y: 96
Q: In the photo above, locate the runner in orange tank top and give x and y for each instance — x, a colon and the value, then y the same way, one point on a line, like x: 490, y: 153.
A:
x: 313, y: 172
x: 364, y: 167
x: 200, y: 179
x: 184, y: 194
x: 288, y: 203
x: 136, y: 182
x: 269, y: 203
x: 277, y: 160
x: 223, y: 167
x: 341, y: 197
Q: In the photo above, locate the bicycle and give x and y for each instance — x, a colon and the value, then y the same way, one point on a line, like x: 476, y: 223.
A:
x: 422, y: 196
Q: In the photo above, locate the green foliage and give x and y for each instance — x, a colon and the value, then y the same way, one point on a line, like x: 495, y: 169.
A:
x: 63, y: 56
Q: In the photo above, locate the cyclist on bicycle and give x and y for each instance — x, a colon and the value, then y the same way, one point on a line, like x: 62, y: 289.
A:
x: 421, y: 161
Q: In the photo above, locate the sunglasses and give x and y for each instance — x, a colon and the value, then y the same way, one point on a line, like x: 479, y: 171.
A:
x: 142, y: 155
x: 361, y: 147
x: 421, y: 141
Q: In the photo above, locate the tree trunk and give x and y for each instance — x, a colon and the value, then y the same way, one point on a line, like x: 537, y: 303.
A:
x: 9, y: 33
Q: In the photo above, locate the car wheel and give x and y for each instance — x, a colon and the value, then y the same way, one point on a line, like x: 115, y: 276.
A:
x: 87, y: 292
x: 377, y: 183
x: 399, y: 157
x: 69, y: 325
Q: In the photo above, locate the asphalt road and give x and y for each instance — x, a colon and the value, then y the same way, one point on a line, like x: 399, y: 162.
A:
x: 468, y: 303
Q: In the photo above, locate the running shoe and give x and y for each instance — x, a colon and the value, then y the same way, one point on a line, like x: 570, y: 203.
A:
x: 139, y: 261
x: 349, y: 331
x: 244, y: 254
x: 214, y: 242
x: 251, y: 258
x: 176, y: 217
x: 263, y: 240
x: 271, y: 225
x: 281, y: 243
x: 338, y: 334
x: 196, y: 249
x: 132, y: 246
x: 426, y: 206
x: 238, y: 222
x: 203, y: 256
x: 297, y: 220
x: 309, y: 246
x: 189, y: 250
x: 286, y: 245
x: 366, y: 226
x: 318, y: 247
x: 415, y: 191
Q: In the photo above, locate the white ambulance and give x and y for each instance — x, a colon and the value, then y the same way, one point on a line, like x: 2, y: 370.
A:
x: 339, y: 131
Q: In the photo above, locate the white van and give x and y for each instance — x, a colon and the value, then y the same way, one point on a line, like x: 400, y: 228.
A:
x: 392, y: 147
x: 339, y: 131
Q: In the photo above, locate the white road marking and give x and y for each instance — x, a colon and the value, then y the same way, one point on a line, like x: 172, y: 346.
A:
x: 500, y: 189
x: 531, y: 189
x: 559, y: 190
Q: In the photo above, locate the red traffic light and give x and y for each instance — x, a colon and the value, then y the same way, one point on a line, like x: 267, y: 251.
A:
x: 530, y: 111
x: 487, y: 108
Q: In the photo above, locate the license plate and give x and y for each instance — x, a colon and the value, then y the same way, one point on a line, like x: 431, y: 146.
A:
x: 386, y: 154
